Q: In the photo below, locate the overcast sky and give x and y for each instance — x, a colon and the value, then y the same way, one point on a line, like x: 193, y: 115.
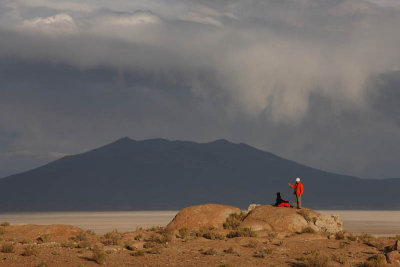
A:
x: 315, y: 81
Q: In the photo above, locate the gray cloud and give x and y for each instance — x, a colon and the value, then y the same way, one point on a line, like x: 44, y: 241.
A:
x: 314, y: 81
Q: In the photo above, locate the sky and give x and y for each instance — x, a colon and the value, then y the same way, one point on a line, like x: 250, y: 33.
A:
x: 315, y: 81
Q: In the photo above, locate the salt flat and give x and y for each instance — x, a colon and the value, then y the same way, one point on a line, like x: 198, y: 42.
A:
x: 380, y: 223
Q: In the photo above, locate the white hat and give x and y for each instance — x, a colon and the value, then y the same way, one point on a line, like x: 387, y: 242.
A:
x: 297, y: 179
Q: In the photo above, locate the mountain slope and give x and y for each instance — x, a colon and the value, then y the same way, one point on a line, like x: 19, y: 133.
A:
x: 162, y: 174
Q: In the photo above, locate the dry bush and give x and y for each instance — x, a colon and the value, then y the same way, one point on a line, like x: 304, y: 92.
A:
x: 149, y: 244
x: 128, y: 246
x: 244, y: 232
x: 352, y: 237
x: 68, y: 244
x: 98, y: 255
x: 343, y: 244
x: 339, y: 236
x: 213, y: 236
x: 251, y: 244
x: 268, y: 251
x: 4, y: 224
x: 81, y: 236
x: 376, y: 261
x: 225, y: 265
x: 138, y: 253
x: 90, y: 232
x: 44, y: 238
x: 259, y: 254
x: 30, y: 250
x: 307, y: 230
x: 155, y: 250
x: 366, y: 238
x: 112, y: 238
x: 230, y: 250
x: 155, y: 228
x: 338, y: 259
x: 8, y: 247
x: 234, y: 220
x: 3, y: 230
x: 211, y: 252
x: 315, y: 259
x: 272, y: 235
x: 42, y: 264
x: 138, y: 237
x: 84, y: 244
x: 183, y: 232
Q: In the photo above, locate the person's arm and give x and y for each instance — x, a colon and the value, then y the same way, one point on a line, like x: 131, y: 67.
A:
x: 292, y: 186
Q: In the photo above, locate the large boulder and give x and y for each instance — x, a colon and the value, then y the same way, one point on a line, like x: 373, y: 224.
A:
x: 272, y: 218
x: 207, y: 215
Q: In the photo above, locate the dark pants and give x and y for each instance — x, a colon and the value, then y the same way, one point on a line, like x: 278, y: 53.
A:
x: 298, y: 201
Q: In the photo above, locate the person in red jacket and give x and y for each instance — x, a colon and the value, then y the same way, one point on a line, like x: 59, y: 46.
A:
x: 298, y: 191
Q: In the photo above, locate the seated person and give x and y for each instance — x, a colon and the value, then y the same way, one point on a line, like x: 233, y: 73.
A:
x: 281, y: 202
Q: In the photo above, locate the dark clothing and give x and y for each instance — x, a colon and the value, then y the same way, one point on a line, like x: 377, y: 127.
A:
x: 279, y: 200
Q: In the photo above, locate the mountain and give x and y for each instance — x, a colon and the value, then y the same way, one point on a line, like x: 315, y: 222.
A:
x: 159, y: 174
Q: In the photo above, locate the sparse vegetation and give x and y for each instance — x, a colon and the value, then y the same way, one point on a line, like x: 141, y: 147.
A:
x: 307, y: 230
x: 138, y: 237
x: 338, y: 259
x: 213, y: 236
x: 137, y: 253
x: 259, y: 254
x: 267, y: 251
x: 30, y: 250
x: 81, y: 236
x: 366, y: 238
x: 112, y: 238
x: 234, y: 220
x: 90, y: 232
x: 343, y: 244
x: 244, y: 232
x: 155, y: 250
x: 230, y: 250
x: 68, y: 244
x: 4, y: 224
x: 156, y: 228
x: 211, y: 252
x: 339, y: 236
x: 128, y: 246
x: 8, y: 247
x: 44, y: 238
x: 42, y: 264
x: 98, y: 255
x: 352, y: 237
x: 183, y: 232
x: 376, y: 261
x: 272, y: 235
x: 251, y: 244
x: 84, y: 244
x: 225, y: 265
x: 3, y: 230
x: 316, y: 259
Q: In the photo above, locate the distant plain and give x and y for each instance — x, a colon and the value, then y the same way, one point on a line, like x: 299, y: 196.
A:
x: 379, y: 223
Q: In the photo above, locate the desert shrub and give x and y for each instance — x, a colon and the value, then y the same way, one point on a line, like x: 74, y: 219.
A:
x: 149, y: 244
x: 68, y: 244
x: 8, y: 247
x: 112, y: 238
x: 128, y: 246
x: 183, y: 232
x: 307, y: 230
x: 84, y: 244
x: 234, y: 220
x: 98, y: 255
x: 376, y: 261
x: 166, y: 236
x: 4, y: 224
x: 155, y: 228
x: 42, y: 264
x: 352, y: 237
x: 138, y: 237
x: 252, y: 244
x: 244, y: 232
x: 338, y: 259
x: 90, y: 232
x: 366, y: 238
x: 343, y: 244
x: 30, y: 250
x: 306, y: 215
x: 280, y: 243
x: 211, y: 252
x: 81, y: 236
x: 138, y: 253
x: 44, y: 238
x: 155, y: 250
x: 3, y: 230
x: 258, y: 254
x: 267, y: 251
x: 339, y: 236
x: 230, y: 251
x: 225, y: 265
x: 315, y: 259
x: 272, y: 235
x: 213, y: 236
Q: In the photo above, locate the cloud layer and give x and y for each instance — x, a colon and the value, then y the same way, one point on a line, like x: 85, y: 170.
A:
x: 306, y: 79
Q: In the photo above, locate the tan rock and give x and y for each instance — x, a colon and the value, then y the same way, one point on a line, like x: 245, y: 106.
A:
x: 207, y: 215
x: 272, y: 218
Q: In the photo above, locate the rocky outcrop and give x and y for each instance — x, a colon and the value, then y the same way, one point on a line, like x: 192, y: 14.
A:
x: 271, y: 218
x: 54, y: 232
x: 207, y: 215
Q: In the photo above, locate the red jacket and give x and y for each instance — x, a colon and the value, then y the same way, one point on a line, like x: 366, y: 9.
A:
x: 298, y: 188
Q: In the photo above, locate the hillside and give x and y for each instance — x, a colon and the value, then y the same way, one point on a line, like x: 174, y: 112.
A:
x: 159, y: 174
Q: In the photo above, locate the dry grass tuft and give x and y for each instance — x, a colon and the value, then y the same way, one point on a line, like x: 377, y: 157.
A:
x: 244, y: 232
x: 234, y: 220
x: 376, y: 261
x: 98, y: 255
x: 8, y: 247
x: 315, y: 259
x: 211, y: 252
x: 307, y: 230
x: 30, y: 250
x: 4, y: 224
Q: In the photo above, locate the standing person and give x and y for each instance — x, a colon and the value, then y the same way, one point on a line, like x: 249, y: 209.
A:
x: 298, y: 191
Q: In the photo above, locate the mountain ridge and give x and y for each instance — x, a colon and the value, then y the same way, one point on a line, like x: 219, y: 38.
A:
x: 162, y: 174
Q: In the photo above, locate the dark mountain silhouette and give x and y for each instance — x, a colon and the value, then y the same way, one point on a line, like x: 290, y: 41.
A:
x: 159, y: 174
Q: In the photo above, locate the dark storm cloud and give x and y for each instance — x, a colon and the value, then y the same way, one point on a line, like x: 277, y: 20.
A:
x: 314, y: 81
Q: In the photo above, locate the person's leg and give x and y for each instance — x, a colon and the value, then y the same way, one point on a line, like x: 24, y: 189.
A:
x: 299, y: 203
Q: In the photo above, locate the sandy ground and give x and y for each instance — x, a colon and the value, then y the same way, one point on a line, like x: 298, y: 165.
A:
x: 379, y: 223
